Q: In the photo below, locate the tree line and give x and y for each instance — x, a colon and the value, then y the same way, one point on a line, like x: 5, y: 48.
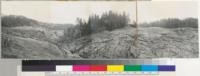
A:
x: 97, y: 23
x: 173, y: 23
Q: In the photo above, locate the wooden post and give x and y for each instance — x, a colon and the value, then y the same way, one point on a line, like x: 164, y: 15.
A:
x: 136, y: 26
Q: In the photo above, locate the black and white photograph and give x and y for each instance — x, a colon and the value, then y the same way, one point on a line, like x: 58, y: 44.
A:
x: 99, y: 29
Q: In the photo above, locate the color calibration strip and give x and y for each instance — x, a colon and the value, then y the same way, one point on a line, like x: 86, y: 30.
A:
x: 109, y: 68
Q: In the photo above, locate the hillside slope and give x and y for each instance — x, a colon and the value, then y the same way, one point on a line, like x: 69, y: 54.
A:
x: 153, y: 42
x: 19, y: 47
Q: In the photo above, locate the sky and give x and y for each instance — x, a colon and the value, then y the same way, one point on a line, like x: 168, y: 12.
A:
x: 68, y: 11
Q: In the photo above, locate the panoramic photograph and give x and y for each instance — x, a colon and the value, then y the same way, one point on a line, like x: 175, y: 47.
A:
x: 99, y: 29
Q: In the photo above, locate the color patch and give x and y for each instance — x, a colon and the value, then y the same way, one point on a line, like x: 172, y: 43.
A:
x: 39, y: 68
x: 63, y: 68
x: 166, y: 68
x: 149, y: 68
x: 81, y: 68
x: 132, y: 68
x: 98, y: 68
x: 115, y: 68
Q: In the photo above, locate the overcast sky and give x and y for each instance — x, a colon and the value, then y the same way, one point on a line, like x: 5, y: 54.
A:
x: 67, y: 12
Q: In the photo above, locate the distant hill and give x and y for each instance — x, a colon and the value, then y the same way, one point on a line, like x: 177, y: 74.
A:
x: 62, y: 26
x: 15, y: 20
x: 173, y: 23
